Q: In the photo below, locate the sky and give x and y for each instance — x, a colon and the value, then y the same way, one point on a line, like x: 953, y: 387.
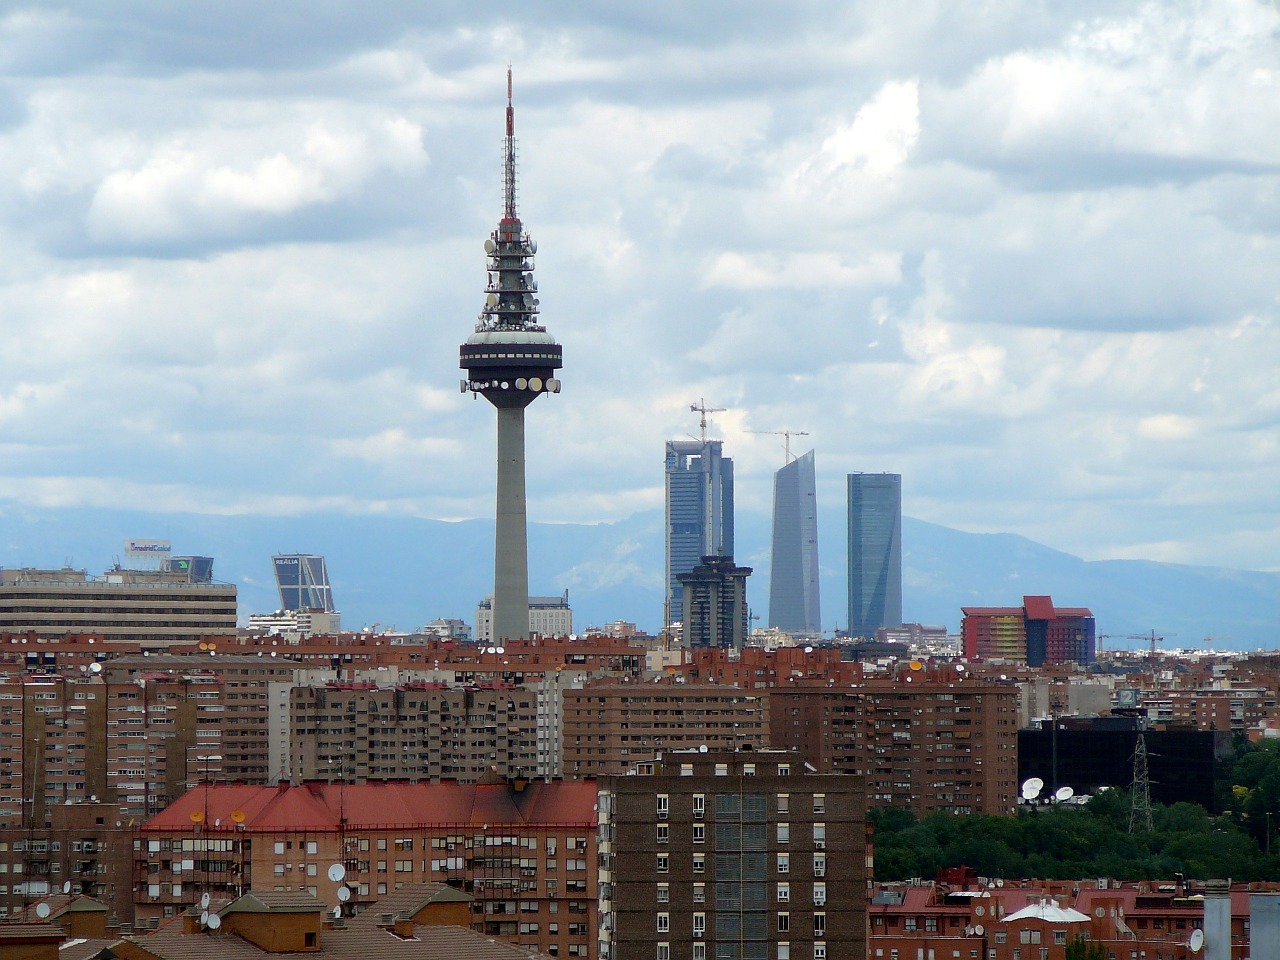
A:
x: 1025, y: 254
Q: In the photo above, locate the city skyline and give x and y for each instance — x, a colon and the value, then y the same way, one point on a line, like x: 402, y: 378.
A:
x: 957, y: 245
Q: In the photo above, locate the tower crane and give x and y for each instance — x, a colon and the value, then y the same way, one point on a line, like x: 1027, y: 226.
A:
x: 787, y: 435
x: 702, y: 408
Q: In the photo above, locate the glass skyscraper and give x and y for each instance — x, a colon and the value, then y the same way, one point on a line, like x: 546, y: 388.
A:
x: 699, y: 511
x: 303, y: 581
x: 793, y: 574
x: 875, y: 552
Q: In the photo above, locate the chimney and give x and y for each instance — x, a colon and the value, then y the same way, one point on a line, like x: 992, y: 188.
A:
x: 1217, y: 920
x: 404, y: 928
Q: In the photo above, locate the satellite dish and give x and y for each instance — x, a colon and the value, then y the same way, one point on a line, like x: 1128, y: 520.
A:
x: 66, y: 887
x: 42, y: 910
x: 979, y: 930
x: 197, y: 816
x: 491, y: 300
x: 533, y: 245
x: 237, y: 816
x: 916, y: 665
x: 95, y: 668
x: 215, y: 921
x: 337, y: 912
x: 1000, y: 882
x: 808, y: 649
x: 337, y: 873
x: 489, y: 245
x: 535, y: 383
x: 1196, y: 943
x: 204, y: 918
x: 1034, y: 784
x: 204, y: 901
x: 702, y: 748
x: 1063, y: 794
x: 499, y: 649
x: 521, y: 383
x: 344, y: 894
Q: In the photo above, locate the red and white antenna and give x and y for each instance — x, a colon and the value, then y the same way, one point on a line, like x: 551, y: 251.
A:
x: 509, y: 158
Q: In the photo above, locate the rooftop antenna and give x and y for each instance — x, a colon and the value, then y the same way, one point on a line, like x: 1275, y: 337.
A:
x: 702, y: 408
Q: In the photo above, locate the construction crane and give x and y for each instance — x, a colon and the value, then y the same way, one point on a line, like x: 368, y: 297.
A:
x: 702, y: 408
x: 787, y: 434
x: 1152, y: 638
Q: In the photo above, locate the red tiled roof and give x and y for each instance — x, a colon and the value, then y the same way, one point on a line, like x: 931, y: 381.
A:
x: 320, y: 806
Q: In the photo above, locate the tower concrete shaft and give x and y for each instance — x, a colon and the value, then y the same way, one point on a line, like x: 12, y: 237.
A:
x: 510, y: 360
x: 511, y: 540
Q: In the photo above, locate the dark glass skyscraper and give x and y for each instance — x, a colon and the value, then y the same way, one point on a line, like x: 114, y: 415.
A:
x: 699, y: 511
x: 303, y: 581
x: 794, y: 604
x: 875, y: 552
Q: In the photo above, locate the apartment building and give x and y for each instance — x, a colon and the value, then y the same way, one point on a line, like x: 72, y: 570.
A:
x: 357, y: 731
x: 525, y: 851
x: 927, y: 739
x: 608, y: 725
x: 736, y: 855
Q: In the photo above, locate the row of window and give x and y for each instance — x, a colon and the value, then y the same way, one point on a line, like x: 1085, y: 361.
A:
x: 698, y: 951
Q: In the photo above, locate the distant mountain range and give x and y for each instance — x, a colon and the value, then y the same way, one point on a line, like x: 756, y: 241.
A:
x: 407, y: 571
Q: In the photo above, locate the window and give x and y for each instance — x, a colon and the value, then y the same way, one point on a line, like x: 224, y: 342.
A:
x: 819, y: 803
x: 699, y: 863
x: 819, y: 951
x: 699, y: 833
x: 699, y: 893
x: 663, y: 806
x: 784, y: 923
x: 784, y: 951
x: 664, y: 833
x: 699, y: 924
x: 819, y: 893
x: 699, y: 805
x: 930, y: 924
x: 664, y: 923
x: 784, y: 803
x: 664, y: 893
x: 784, y: 892
x: 664, y: 951
x: 722, y: 769
x: 748, y: 769
x: 404, y: 866
x: 784, y: 833
x: 909, y: 924
x: 820, y: 836
x: 819, y: 924
x: 699, y: 951
x: 1000, y: 936
x: 819, y: 864
x: 784, y: 863
x: 686, y: 769
x: 664, y: 862
x: 1059, y: 937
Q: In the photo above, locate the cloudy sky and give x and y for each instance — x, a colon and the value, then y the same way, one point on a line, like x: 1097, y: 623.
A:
x: 1026, y: 254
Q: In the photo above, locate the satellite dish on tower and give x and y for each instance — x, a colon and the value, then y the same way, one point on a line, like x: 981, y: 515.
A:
x: 1196, y: 943
x: 337, y: 873
x: 1063, y: 794
x: 489, y: 245
x: 42, y: 910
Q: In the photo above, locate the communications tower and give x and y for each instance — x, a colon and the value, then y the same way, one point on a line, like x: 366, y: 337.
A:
x: 510, y: 360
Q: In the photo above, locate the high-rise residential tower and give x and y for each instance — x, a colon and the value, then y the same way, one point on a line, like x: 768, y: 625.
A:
x: 875, y: 552
x: 510, y: 361
x: 699, y: 511
x: 794, y: 604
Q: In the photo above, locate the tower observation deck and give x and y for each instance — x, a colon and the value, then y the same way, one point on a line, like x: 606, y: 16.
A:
x: 510, y: 360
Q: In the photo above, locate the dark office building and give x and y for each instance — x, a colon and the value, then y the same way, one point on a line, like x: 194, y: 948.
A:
x: 1182, y: 764
x: 875, y: 552
x: 715, y: 604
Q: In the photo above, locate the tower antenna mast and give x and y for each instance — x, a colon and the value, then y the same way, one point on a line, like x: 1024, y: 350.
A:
x: 509, y: 158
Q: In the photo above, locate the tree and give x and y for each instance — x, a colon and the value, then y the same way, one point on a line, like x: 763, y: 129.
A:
x: 1079, y: 948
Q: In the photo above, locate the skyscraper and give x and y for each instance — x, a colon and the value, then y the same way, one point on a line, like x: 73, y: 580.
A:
x: 794, y: 604
x: 699, y: 511
x: 510, y: 361
x: 303, y: 582
x: 875, y: 552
